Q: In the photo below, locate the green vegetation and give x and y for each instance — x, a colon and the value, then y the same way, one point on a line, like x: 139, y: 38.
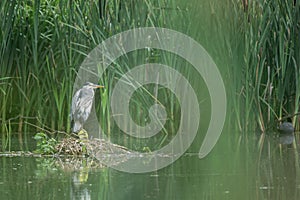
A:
x: 43, y: 43
x: 45, y: 145
x: 272, y: 88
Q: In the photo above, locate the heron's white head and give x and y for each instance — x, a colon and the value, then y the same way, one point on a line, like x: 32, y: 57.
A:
x: 90, y: 85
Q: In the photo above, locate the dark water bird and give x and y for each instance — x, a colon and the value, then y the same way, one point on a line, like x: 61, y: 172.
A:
x: 286, y: 130
x: 82, y: 104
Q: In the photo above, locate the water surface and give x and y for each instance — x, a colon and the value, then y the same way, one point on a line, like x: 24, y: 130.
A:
x: 243, y: 168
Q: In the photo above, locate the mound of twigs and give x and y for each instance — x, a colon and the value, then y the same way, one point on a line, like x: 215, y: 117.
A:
x: 74, y: 146
x: 70, y: 146
x: 99, y: 149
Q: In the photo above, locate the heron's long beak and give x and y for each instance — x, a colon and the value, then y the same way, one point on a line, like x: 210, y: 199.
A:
x: 99, y: 86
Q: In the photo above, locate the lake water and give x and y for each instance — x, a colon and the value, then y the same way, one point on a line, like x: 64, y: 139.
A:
x: 243, y: 168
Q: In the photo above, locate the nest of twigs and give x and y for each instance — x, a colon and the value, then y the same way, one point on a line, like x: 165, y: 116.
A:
x: 70, y: 146
x: 94, y: 148
x: 96, y: 153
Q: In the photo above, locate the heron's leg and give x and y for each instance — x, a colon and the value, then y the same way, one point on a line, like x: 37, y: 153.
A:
x: 83, y: 135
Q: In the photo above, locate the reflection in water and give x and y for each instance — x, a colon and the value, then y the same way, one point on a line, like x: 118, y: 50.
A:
x: 236, y: 169
x: 278, y: 169
x: 286, y: 139
x: 78, y: 187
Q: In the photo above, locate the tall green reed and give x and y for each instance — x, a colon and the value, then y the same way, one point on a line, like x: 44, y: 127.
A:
x: 271, y: 59
x: 42, y: 45
x: 44, y: 42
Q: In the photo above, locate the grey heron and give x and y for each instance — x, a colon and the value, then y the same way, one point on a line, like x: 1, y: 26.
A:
x: 286, y: 136
x: 82, y: 104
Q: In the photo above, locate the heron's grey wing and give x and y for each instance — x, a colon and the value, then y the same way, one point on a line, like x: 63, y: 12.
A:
x: 84, y: 105
x: 74, y: 104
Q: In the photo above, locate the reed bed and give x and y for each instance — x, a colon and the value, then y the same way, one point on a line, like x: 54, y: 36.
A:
x: 43, y: 44
x: 271, y: 72
x: 254, y: 43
